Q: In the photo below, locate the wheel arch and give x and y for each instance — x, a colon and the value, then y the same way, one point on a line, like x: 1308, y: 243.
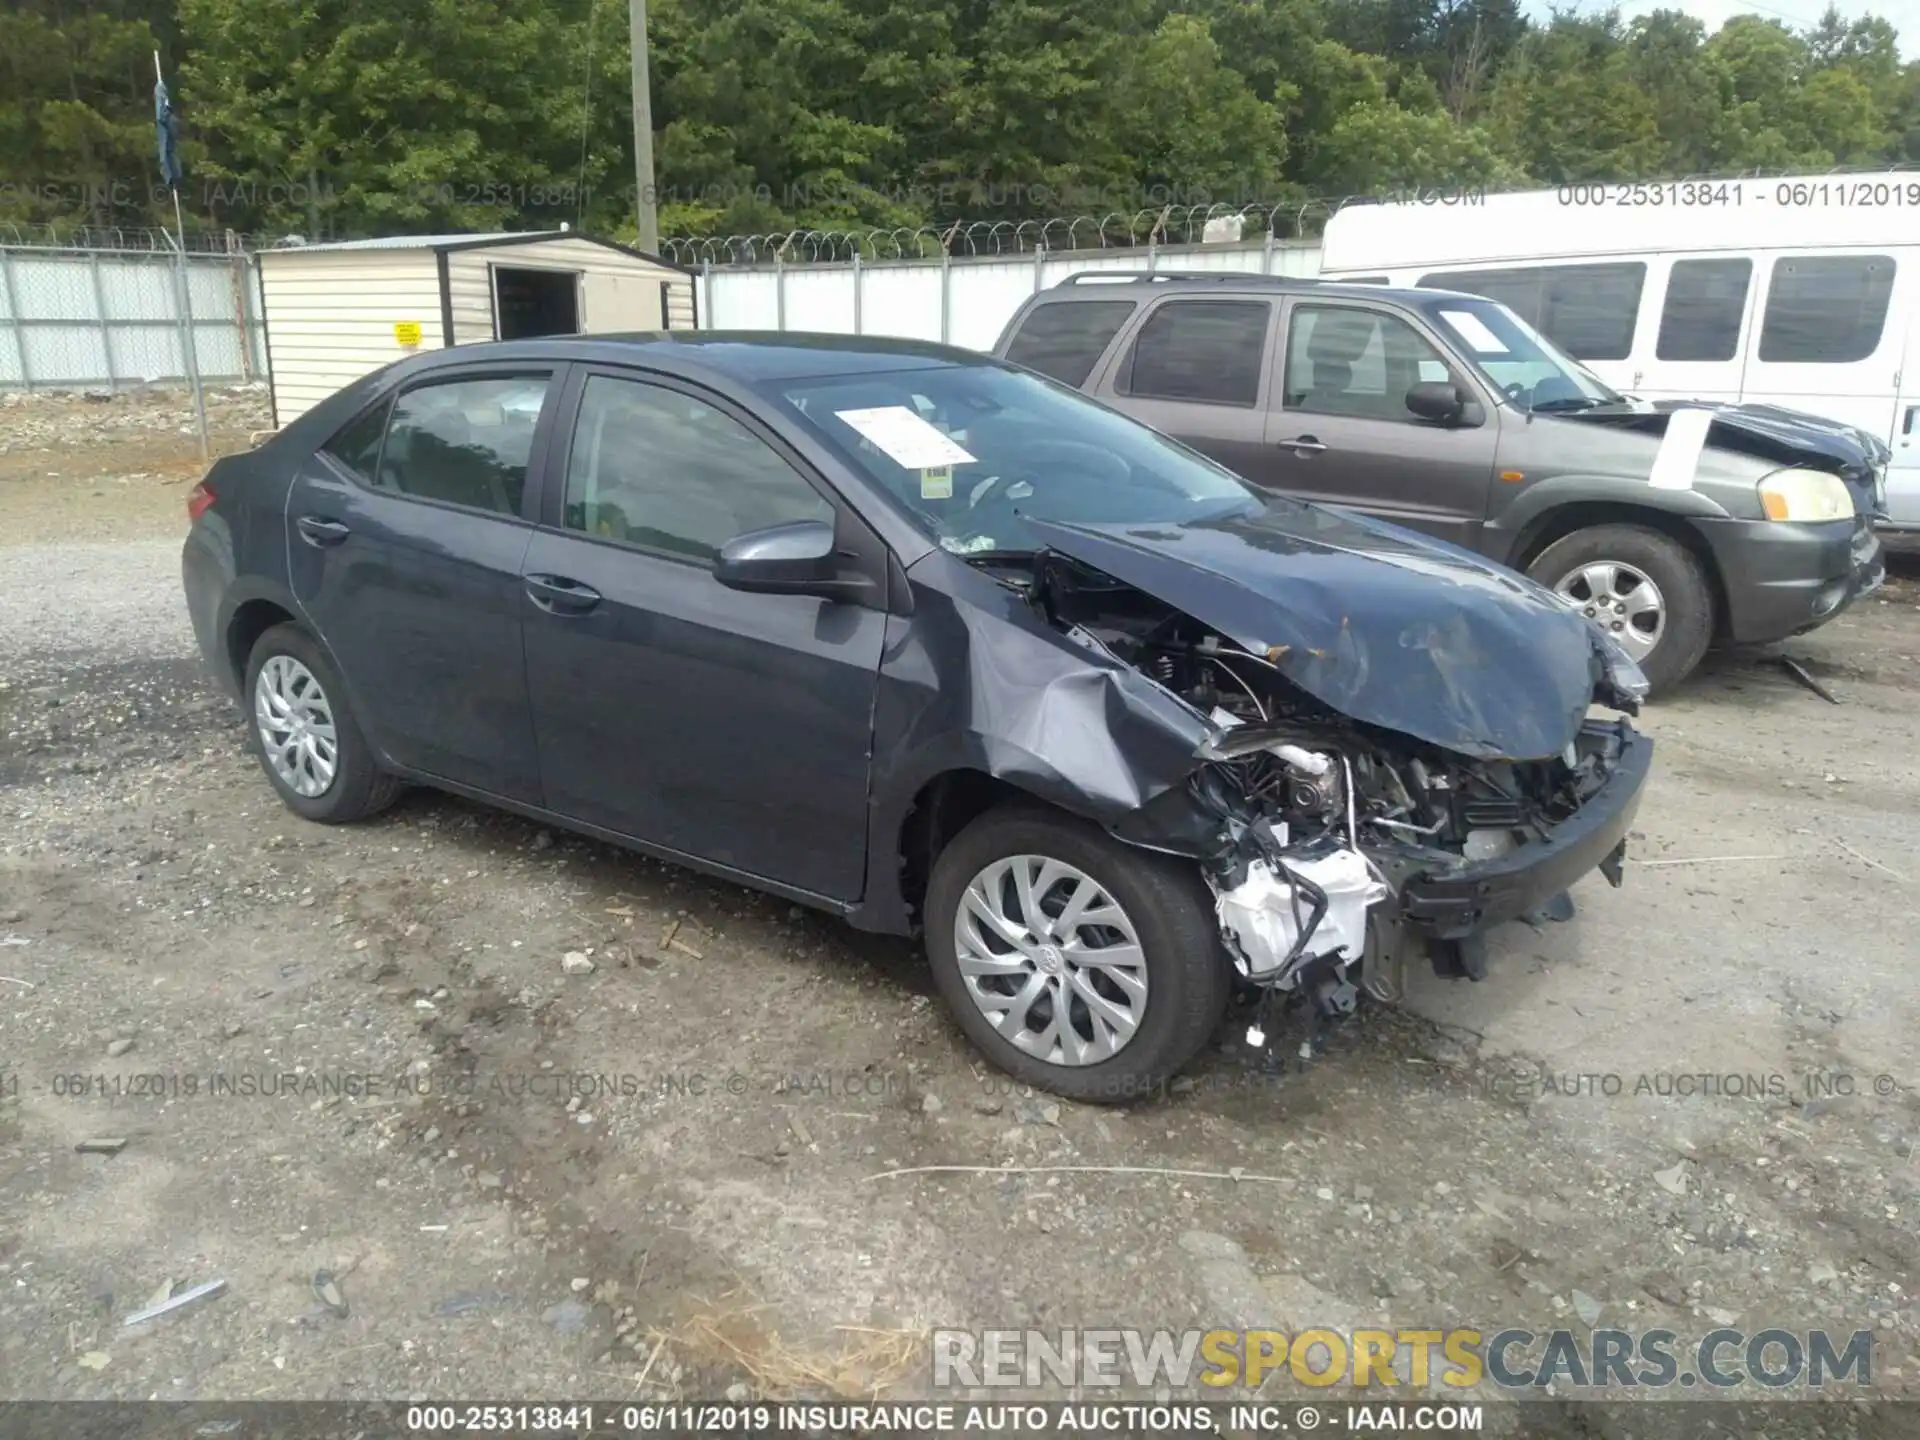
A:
x: 1557, y: 522
x: 250, y: 620
x: 940, y: 809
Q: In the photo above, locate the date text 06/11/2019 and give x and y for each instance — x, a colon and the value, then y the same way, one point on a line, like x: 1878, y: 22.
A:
x: 1861, y: 194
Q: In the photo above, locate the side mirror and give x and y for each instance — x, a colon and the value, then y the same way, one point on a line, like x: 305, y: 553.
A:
x: 1438, y: 400
x: 798, y: 558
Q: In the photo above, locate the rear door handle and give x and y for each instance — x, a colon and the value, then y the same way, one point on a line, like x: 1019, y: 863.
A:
x: 1906, y: 421
x: 321, y: 532
x: 1304, y: 445
x: 557, y: 595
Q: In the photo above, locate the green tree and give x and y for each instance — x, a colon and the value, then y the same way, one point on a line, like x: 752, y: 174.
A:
x: 76, y: 111
x: 384, y: 115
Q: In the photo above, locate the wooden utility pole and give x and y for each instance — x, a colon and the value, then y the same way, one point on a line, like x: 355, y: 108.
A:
x: 643, y: 129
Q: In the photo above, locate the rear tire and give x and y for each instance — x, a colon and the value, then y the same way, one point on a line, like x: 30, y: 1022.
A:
x: 1149, y: 952
x: 1685, y: 597
x: 304, y: 733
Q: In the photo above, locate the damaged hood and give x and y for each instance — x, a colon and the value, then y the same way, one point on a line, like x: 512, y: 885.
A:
x: 1373, y: 621
x: 1768, y: 432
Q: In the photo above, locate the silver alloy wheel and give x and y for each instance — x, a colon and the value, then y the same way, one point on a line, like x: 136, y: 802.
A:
x: 1622, y: 600
x: 1051, y: 959
x: 295, y: 721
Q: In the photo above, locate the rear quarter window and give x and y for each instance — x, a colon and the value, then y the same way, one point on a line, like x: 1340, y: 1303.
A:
x: 1064, y: 339
x: 356, y: 445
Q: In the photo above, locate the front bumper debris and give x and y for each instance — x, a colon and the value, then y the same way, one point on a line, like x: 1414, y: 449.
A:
x: 1456, y: 904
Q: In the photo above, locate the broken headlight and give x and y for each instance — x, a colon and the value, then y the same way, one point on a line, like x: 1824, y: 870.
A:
x: 1623, y: 672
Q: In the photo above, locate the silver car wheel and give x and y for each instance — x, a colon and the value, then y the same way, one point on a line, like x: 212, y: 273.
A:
x: 1622, y: 600
x: 1051, y: 959
x: 295, y: 721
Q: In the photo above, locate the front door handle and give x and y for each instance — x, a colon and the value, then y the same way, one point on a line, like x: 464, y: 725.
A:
x: 1304, y: 445
x: 321, y: 532
x: 557, y: 595
x: 1906, y: 421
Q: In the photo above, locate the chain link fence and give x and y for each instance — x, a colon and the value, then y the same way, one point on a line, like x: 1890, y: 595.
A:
x: 108, y: 314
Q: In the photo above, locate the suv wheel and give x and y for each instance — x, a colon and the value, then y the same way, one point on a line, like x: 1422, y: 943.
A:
x: 309, y: 744
x: 1076, y: 963
x: 1643, y: 588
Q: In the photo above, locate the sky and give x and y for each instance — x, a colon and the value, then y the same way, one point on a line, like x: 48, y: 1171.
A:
x: 1903, y: 14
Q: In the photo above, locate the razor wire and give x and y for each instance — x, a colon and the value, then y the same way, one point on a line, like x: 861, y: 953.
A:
x: 1114, y: 230
x: 1293, y: 219
x: 132, y: 239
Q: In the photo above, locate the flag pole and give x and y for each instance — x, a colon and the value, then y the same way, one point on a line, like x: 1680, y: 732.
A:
x: 187, y: 346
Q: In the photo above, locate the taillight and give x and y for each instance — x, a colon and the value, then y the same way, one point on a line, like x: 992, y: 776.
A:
x: 199, y: 500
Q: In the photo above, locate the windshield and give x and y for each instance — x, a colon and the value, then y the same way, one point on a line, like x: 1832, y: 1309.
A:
x: 1534, y: 373
x: 970, y: 450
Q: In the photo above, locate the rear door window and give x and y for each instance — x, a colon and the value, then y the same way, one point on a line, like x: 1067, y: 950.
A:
x: 1064, y: 339
x: 1826, y: 309
x: 1705, y: 302
x: 464, y: 442
x: 1205, y: 350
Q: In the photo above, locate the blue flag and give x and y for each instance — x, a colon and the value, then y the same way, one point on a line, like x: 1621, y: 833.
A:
x: 167, y: 125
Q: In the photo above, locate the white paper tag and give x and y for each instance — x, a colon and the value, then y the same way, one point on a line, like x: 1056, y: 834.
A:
x: 1470, y: 328
x: 1679, y: 454
x: 905, y: 438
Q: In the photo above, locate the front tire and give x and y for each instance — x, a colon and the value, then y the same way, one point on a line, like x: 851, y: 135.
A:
x: 309, y: 744
x: 1077, y: 964
x: 1643, y: 588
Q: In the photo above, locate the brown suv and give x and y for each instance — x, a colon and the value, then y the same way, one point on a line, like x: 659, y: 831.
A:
x: 1449, y: 414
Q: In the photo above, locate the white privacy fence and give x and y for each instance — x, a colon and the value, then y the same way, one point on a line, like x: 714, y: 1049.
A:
x: 81, y: 319
x: 959, y: 300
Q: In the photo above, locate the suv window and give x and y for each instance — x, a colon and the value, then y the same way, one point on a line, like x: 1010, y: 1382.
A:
x: 1587, y: 310
x: 1700, y: 317
x: 1343, y: 361
x: 665, y: 470
x: 1208, y: 350
x: 464, y: 442
x: 1065, y: 338
x: 1826, y: 309
x: 357, y: 445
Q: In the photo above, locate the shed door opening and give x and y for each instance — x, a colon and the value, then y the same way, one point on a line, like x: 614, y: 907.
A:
x: 535, y: 302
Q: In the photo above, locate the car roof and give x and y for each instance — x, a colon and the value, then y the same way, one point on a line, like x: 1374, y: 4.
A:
x: 747, y: 356
x: 1094, y: 284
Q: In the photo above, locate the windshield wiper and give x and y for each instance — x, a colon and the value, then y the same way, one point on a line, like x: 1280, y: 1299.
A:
x: 1568, y: 402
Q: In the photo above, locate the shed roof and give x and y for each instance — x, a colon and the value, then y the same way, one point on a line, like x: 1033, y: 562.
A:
x: 468, y: 241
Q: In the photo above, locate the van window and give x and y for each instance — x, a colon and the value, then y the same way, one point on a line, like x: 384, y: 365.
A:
x: 1700, y: 317
x: 1065, y: 339
x: 1355, y: 362
x: 1826, y: 309
x: 1208, y: 350
x: 1587, y: 310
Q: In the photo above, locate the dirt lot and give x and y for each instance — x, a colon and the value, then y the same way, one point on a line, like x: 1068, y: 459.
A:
x: 1694, y: 1105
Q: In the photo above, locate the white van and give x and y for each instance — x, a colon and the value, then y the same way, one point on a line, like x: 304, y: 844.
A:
x: 1798, y: 291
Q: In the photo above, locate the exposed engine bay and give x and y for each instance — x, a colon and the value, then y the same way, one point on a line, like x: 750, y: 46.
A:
x: 1323, y: 820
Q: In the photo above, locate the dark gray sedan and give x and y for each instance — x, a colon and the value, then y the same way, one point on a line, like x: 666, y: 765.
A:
x: 932, y: 643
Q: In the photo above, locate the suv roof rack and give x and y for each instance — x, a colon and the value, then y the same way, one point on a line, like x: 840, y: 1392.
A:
x: 1236, y: 277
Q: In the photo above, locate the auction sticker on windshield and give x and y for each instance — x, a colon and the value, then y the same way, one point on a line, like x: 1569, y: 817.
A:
x: 906, y: 439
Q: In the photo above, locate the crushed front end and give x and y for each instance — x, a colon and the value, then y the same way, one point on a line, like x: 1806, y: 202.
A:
x: 1334, y: 845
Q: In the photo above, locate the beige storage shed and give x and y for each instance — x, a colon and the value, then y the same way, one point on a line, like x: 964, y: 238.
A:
x: 335, y: 312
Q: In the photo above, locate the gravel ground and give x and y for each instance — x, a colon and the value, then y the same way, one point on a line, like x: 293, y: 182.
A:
x: 720, y: 1207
